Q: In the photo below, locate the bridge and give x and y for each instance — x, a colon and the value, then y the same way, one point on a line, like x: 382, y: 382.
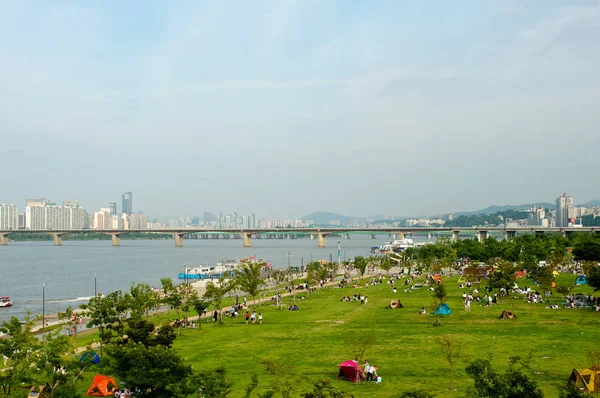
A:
x: 321, y: 233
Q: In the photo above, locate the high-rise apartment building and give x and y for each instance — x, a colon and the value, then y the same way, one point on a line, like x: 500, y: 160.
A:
x: 113, y: 207
x: 9, y: 216
x: 127, y: 203
x: 564, y: 210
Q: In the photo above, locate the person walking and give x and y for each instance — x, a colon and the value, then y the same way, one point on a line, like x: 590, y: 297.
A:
x: 247, y: 316
x: 259, y: 318
x: 253, y: 317
x: 215, y: 316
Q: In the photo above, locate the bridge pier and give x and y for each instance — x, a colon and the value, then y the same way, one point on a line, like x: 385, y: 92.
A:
x: 429, y: 236
x: 3, y: 239
x: 322, y: 241
x: 510, y: 235
x: 347, y: 236
x: 116, y: 239
x: 455, y: 236
x: 57, y: 239
x: 247, y: 240
x: 481, y: 236
x: 372, y: 236
x: 178, y: 240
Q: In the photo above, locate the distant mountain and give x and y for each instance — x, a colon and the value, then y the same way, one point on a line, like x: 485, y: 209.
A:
x: 592, y: 203
x: 495, y: 208
x: 325, y: 218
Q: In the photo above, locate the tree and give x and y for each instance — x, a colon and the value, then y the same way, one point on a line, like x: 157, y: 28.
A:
x: 67, y: 320
x: 107, y: 313
x: 213, y: 383
x: 19, y: 353
x: 216, y: 292
x: 502, y: 277
x: 248, y: 278
x: 416, y: 393
x: 587, y: 248
x: 593, y: 277
x: 451, y: 349
x: 324, y: 389
x: 198, y: 305
x: 157, y: 371
x: 142, y: 299
x: 283, y: 378
x: 490, y: 384
x: 386, y: 264
x: 439, y: 293
x: 360, y: 263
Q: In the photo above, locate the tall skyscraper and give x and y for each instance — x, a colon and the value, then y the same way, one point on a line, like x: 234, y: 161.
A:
x: 9, y: 216
x: 113, y: 207
x: 564, y: 210
x: 127, y: 203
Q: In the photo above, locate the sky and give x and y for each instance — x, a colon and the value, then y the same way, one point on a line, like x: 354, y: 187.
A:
x: 282, y: 108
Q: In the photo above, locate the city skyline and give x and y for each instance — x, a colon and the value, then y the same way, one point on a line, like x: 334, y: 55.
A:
x: 401, y: 108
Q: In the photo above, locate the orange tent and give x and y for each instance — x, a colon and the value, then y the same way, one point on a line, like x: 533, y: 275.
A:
x: 437, y: 278
x: 102, y: 386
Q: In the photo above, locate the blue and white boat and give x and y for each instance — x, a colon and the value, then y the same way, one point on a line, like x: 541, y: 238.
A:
x: 225, y: 269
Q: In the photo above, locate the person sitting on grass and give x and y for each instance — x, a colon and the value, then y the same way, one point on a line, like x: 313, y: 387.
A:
x: 422, y: 311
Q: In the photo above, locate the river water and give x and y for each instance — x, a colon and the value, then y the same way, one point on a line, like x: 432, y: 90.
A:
x: 68, y: 271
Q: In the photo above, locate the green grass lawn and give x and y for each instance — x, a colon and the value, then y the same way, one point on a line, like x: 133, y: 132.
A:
x: 315, y: 339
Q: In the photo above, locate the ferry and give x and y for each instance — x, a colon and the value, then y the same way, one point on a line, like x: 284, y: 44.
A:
x: 225, y: 268
x: 395, y: 246
x: 5, y: 301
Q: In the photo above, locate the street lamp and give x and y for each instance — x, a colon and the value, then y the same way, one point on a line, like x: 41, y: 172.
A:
x: 43, y: 310
x: 289, y: 254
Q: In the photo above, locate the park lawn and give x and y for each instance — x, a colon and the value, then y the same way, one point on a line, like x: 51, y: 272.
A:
x: 315, y: 339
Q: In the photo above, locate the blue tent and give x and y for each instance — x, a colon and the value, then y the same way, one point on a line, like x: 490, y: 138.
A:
x: 443, y: 309
x: 93, y: 356
x: 581, y: 280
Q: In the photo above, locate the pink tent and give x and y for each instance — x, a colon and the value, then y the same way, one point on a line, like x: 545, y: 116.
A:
x: 351, y: 371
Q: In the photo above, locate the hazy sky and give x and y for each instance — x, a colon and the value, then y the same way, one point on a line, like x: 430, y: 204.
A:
x: 282, y: 108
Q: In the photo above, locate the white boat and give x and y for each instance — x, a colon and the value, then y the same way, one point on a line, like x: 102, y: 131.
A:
x: 224, y: 268
x: 5, y: 301
x: 402, y: 244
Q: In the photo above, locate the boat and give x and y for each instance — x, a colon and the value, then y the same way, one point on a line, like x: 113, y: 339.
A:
x: 395, y: 246
x: 5, y: 301
x: 224, y: 268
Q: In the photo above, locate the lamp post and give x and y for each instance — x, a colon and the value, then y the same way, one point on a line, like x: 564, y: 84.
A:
x: 43, y: 310
x: 289, y: 254
x: 95, y: 285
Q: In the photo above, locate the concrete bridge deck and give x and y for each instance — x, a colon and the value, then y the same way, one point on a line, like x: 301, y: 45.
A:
x: 321, y: 233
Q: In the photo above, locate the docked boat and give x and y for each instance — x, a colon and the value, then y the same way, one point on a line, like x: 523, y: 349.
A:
x: 395, y: 246
x: 5, y: 301
x: 225, y: 268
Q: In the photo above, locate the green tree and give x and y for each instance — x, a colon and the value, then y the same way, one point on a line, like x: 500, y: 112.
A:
x: 283, y: 378
x: 387, y: 264
x: 67, y: 320
x: 142, y: 299
x: 324, y: 389
x: 249, y: 279
x: 198, y: 305
x: 360, y: 263
x: 157, y: 371
x: 587, y: 247
x: 439, y: 293
x: 216, y: 292
x: 19, y: 353
x: 213, y: 383
x: 502, y: 277
x: 489, y: 383
x: 416, y: 393
x: 593, y: 277
x: 107, y: 313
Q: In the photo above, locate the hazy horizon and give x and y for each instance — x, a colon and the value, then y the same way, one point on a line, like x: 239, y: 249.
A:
x: 283, y: 109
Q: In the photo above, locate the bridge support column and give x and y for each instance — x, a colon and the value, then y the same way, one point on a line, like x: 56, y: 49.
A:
x: 312, y: 236
x: 481, y: 236
x: 429, y: 236
x: 57, y: 239
x: 247, y: 240
x: 510, y: 235
x: 322, y: 241
x: 455, y: 236
x: 372, y: 236
x: 347, y: 236
x: 179, y: 240
x: 3, y: 239
x: 116, y: 239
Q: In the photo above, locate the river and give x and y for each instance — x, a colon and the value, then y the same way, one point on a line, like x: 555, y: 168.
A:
x: 68, y: 271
